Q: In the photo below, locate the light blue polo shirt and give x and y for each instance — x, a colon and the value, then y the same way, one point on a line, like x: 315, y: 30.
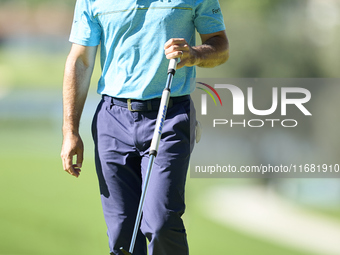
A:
x: 132, y: 35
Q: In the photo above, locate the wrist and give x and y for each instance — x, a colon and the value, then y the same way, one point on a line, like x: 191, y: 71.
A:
x: 195, y: 57
x: 200, y: 55
x: 68, y: 131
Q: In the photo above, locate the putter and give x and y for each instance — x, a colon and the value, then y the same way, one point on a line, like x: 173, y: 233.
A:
x: 153, y: 149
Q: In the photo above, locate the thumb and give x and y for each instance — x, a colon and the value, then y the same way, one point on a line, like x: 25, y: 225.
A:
x: 80, y: 158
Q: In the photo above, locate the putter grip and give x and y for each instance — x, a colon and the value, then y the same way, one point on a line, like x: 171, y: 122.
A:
x: 172, y: 66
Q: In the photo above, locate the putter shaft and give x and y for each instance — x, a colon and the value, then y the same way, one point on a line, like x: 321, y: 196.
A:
x: 153, y: 150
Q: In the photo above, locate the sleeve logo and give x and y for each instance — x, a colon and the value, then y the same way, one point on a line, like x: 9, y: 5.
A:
x: 214, y: 11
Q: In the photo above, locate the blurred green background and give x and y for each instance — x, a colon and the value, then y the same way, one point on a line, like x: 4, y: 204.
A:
x: 45, y: 211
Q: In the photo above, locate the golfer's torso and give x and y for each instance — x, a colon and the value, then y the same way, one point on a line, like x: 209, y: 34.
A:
x: 132, y: 51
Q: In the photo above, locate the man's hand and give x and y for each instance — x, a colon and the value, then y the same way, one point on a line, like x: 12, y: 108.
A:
x: 179, y: 48
x: 213, y: 51
x: 72, y: 146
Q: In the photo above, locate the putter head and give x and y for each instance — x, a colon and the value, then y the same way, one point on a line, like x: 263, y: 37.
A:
x: 124, y: 251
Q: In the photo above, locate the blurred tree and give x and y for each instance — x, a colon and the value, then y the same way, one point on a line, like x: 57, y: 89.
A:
x: 276, y: 38
x: 37, y: 2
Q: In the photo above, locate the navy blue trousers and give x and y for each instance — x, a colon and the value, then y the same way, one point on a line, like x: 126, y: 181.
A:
x: 122, y: 140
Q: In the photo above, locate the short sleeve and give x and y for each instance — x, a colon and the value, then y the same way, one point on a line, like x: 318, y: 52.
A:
x: 208, y: 17
x: 85, y: 28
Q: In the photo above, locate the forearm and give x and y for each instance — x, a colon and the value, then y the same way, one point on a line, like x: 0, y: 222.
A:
x: 76, y: 83
x: 213, y: 52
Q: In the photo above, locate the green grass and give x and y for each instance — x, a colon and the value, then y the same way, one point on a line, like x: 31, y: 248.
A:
x: 34, y: 69
x: 30, y: 69
x: 330, y: 212
x: 208, y: 237
x: 44, y: 210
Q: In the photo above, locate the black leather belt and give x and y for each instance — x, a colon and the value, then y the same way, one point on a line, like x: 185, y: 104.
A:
x: 135, y: 105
